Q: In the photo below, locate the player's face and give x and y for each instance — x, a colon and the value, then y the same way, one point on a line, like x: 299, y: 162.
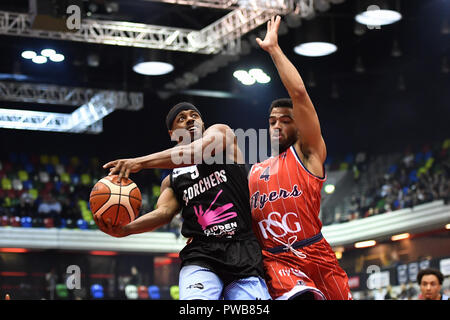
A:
x: 190, y: 121
x: 430, y: 287
x: 282, y: 128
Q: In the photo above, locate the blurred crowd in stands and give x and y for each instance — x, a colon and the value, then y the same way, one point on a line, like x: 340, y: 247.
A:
x: 385, y: 183
x: 53, y: 190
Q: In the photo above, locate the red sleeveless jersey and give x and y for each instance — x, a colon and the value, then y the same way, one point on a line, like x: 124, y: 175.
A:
x: 284, y: 199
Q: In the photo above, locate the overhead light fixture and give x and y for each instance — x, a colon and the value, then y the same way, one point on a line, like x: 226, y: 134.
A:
x: 153, y: 68
x: 252, y: 76
x: 57, y: 57
x: 447, y: 226
x: 244, y: 77
x: 48, y: 52
x: 28, y: 54
x: 401, y: 236
x: 259, y: 75
x: 396, y: 51
x: 365, y: 244
x: 401, y: 84
x: 359, y: 65
x: 315, y: 49
x: 317, y: 38
x: 334, y: 91
x: 378, y: 17
x: 445, y: 29
x: 39, y: 59
x: 444, y: 65
x: 43, y: 58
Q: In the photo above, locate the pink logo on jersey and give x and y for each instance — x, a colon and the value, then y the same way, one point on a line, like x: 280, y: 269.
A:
x: 217, y: 215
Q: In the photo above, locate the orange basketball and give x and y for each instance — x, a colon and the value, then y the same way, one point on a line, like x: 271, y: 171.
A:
x: 119, y: 202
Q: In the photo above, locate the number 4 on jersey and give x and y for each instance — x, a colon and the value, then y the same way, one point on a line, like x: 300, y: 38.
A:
x: 265, y: 175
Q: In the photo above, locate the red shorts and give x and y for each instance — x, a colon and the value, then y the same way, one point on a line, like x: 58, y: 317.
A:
x: 288, y: 274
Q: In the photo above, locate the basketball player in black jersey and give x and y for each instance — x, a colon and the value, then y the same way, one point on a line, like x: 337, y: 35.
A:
x: 222, y: 259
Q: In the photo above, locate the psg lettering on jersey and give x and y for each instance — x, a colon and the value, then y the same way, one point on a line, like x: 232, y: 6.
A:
x: 258, y: 200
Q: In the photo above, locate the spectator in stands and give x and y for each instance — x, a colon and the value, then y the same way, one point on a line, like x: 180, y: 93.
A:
x: 51, y: 278
x: 411, y: 291
x: 389, y: 295
x: 136, y: 277
x: 430, y: 281
x: 50, y: 207
x: 27, y: 205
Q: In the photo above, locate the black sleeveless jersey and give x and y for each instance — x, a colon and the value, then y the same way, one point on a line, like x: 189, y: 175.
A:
x: 216, y: 216
x: 215, y: 201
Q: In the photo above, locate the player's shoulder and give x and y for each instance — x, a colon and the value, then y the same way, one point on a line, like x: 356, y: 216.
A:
x: 260, y: 165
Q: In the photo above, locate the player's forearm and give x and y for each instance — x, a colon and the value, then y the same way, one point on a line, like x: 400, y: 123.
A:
x: 148, y: 222
x: 179, y: 156
x: 288, y: 73
x: 185, y: 155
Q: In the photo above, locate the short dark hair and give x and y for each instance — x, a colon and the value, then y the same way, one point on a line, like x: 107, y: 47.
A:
x: 281, y: 103
x: 428, y: 271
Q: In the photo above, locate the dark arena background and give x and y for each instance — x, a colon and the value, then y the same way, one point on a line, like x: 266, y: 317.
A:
x: 383, y: 101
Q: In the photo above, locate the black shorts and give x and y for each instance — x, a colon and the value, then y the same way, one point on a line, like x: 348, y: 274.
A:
x: 230, y: 260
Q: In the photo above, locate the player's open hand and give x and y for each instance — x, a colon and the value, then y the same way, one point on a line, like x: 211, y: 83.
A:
x: 107, y: 227
x: 123, y: 167
x: 271, y: 39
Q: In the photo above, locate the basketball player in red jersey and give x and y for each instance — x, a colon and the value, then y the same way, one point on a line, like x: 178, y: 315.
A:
x: 285, y: 194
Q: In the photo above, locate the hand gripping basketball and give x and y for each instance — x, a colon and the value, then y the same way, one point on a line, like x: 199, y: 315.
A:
x: 123, y: 167
x: 115, y: 204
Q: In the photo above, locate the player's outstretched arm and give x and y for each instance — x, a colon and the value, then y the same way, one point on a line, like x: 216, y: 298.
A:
x: 311, y: 142
x: 166, y: 208
x: 215, y: 139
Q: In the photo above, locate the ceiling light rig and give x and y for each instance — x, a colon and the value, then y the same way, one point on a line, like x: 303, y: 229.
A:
x: 315, y: 49
x: 153, y: 68
x: 46, y: 54
x: 251, y: 77
x: 375, y: 17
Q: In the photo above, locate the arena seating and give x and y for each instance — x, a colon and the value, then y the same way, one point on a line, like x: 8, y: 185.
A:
x: 388, y: 182
x: 381, y: 183
x: 26, y: 180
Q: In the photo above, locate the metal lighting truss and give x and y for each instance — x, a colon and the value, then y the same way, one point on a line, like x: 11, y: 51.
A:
x: 95, y: 105
x: 221, y: 36
x: 224, y: 34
